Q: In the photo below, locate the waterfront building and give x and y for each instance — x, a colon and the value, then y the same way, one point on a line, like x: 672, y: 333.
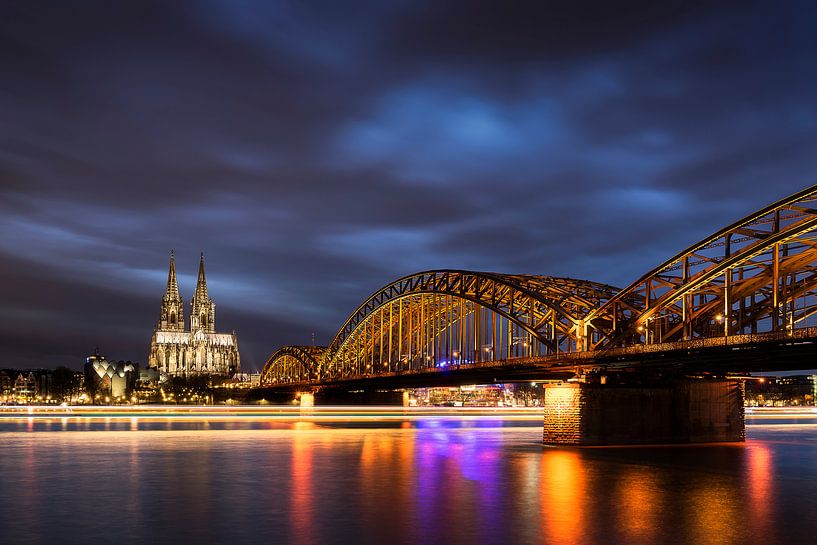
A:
x: 25, y: 387
x: 247, y: 380
x: 6, y: 387
x: 199, y: 350
x: 109, y: 379
x: 788, y: 391
x: 487, y: 395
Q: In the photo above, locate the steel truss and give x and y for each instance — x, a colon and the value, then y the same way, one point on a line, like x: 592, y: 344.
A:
x: 452, y: 317
x: 293, y: 364
x: 756, y: 275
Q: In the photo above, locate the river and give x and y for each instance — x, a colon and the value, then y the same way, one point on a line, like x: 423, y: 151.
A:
x: 390, y: 477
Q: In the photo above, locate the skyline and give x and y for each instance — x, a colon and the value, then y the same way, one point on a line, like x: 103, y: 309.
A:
x: 316, y: 155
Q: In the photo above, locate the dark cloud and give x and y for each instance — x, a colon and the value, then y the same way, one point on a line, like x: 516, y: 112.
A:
x: 520, y: 33
x: 316, y: 152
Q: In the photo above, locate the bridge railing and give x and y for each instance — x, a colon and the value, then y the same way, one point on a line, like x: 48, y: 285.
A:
x: 708, y: 342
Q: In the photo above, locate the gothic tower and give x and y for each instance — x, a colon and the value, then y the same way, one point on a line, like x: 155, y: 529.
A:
x: 172, y: 316
x: 175, y: 351
x: 202, y: 308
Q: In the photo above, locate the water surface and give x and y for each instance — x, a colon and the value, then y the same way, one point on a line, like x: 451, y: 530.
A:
x: 419, y: 479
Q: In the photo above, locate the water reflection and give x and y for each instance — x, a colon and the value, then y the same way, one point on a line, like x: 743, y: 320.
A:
x: 760, y: 473
x: 562, y: 496
x: 311, y: 483
x: 639, y: 497
x: 713, y: 512
x: 301, y: 493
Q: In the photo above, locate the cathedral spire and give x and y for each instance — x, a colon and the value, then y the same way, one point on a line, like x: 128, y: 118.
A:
x: 172, y: 291
x: 171, y: 317
x: 202, y: 308
x: 201, y: 286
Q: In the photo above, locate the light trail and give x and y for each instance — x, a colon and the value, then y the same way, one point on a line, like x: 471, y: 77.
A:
x: 330, y: 413
x: 770, y: 413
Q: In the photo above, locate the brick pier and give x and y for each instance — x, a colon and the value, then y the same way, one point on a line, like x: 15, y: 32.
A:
x: 683, y: 411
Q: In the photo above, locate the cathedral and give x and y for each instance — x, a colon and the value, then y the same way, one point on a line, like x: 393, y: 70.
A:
x: 174, y: 351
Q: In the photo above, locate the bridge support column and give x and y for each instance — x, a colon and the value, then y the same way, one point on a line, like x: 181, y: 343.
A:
x: 683, y: 411
x: 307, y: 400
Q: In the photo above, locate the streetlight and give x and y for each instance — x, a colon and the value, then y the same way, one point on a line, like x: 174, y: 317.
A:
x: 722, y: 321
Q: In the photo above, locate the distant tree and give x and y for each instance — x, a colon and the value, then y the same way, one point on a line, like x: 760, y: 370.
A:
x: 91, y: 384
x: 63, y: 383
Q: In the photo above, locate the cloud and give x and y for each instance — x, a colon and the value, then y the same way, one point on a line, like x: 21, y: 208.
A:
x: 317, y: 152
x: 429, y: 133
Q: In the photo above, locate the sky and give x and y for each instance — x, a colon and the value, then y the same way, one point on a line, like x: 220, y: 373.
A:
x: 316, y: 151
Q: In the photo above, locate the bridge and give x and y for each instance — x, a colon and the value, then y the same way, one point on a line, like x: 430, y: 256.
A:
x: 741, y: 300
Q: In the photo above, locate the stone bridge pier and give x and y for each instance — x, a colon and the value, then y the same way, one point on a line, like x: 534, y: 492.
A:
x: 678, y: 411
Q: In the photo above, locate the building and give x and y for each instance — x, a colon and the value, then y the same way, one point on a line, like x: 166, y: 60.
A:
x: 6, y: 388
x: 200, y: 350
x: 109, y: 380
x: 247, y: 380
x: 788, y: 391
x: 25, y: 387
x: 148, y: 377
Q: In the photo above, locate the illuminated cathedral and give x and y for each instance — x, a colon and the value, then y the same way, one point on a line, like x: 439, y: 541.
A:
x: 199, y: 350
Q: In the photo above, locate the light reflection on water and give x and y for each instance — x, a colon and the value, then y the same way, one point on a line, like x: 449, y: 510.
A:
x: 422, y: 481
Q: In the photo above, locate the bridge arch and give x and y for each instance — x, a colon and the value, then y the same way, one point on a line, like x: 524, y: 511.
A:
x: 291, y: 364
x: 449, y: 317
x: 755, y: 275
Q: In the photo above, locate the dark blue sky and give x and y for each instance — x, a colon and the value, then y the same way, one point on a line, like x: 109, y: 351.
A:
x: 315, y: 153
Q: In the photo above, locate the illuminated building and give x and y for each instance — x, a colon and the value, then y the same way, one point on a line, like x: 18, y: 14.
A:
x: 199, y: 350
x: 6, y: 388
x: 25, y: 387
x: 794, y: 390
x: 109, y: 379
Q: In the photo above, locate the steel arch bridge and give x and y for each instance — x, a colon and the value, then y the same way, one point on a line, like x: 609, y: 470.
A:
x: 756, y: 276
x: 293, y: 364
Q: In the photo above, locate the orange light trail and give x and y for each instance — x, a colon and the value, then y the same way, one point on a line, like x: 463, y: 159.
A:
x: 286, y: 413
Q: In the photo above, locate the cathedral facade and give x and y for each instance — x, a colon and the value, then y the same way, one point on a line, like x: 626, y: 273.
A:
x: 199, y: 350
